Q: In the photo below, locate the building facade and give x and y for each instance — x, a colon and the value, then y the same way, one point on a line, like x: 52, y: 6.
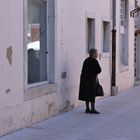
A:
x: 136, y: 16
x: 123, y: 24
x: 43, y: 46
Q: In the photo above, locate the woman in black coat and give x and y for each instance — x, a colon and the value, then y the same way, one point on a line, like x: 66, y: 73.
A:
x: 87, y: 88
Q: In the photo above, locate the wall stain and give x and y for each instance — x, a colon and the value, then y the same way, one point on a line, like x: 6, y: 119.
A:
x: 65, y: 107
x: 50, y: 105
x: 7, y: 91
x: 9, y: 54
x: 72, y: 106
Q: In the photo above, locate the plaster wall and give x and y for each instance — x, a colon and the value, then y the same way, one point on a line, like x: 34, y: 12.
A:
x: 20, y: 110
x: 11, y: 54
x: 71, y: 39
x: 17, y: 108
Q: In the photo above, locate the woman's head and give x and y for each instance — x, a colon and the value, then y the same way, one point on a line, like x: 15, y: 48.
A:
x: 93, y: 53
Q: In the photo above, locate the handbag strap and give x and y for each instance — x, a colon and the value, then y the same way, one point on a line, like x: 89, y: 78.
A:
x: 97, y: 80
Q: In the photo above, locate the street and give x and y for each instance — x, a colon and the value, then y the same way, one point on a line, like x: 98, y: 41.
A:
x: 119, y: 120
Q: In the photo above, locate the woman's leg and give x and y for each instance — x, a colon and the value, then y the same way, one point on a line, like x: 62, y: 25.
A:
x: 93, y: 110
x: 93, y: 104
x: 87, y: 107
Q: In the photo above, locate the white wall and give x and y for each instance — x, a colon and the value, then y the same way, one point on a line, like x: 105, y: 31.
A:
x: 16, y: 107
x: 11, y: 27
x: 71, y: 38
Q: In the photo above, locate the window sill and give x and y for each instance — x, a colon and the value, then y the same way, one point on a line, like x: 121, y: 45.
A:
x: 40, y: 90
x: 123, y: 68
x: 105, y: 55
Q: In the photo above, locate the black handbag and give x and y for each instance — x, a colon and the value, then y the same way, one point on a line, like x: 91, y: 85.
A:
x: 99, y: 88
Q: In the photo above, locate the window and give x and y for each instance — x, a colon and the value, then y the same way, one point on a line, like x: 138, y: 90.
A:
x: 105, y: 36
x: 40, y: 40
x: 123, y: 32
x: 90, y: 33
x: 37, y: 56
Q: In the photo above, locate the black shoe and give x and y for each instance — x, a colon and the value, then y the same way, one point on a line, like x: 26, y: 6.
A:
x: 87, y: 111
x: 94, y: 112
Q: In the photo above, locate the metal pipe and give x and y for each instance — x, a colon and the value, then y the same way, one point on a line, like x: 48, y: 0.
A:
x: 114, y: 13
x: 113, y: 76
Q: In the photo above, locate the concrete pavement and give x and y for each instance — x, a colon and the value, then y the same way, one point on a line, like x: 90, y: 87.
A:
x: 119, y: 120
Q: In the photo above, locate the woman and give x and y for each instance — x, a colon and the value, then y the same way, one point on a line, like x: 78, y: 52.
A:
x: 87, y: 89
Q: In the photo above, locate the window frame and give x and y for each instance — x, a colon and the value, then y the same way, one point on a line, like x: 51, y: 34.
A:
x: 108, y: 30
x: 89, y: 15
x: 40, y: 66
x: 106, y: 19
x: 92, y: 33
x: 46, y: 87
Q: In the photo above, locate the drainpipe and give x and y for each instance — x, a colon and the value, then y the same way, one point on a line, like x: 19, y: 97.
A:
x: 114, y: 88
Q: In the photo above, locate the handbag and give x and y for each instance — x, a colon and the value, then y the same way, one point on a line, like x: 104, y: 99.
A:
x: 99, y: 88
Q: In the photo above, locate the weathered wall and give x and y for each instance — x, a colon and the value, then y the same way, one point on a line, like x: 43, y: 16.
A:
x: 11, y: 53
x: 125, y: 76
x: 19, y: 108
x: 71, y: 38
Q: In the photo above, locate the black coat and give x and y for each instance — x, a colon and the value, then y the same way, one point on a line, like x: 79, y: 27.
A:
x: 88, y: 76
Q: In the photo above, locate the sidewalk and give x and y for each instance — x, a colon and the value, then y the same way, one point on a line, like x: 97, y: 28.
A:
x: 119, y: 120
